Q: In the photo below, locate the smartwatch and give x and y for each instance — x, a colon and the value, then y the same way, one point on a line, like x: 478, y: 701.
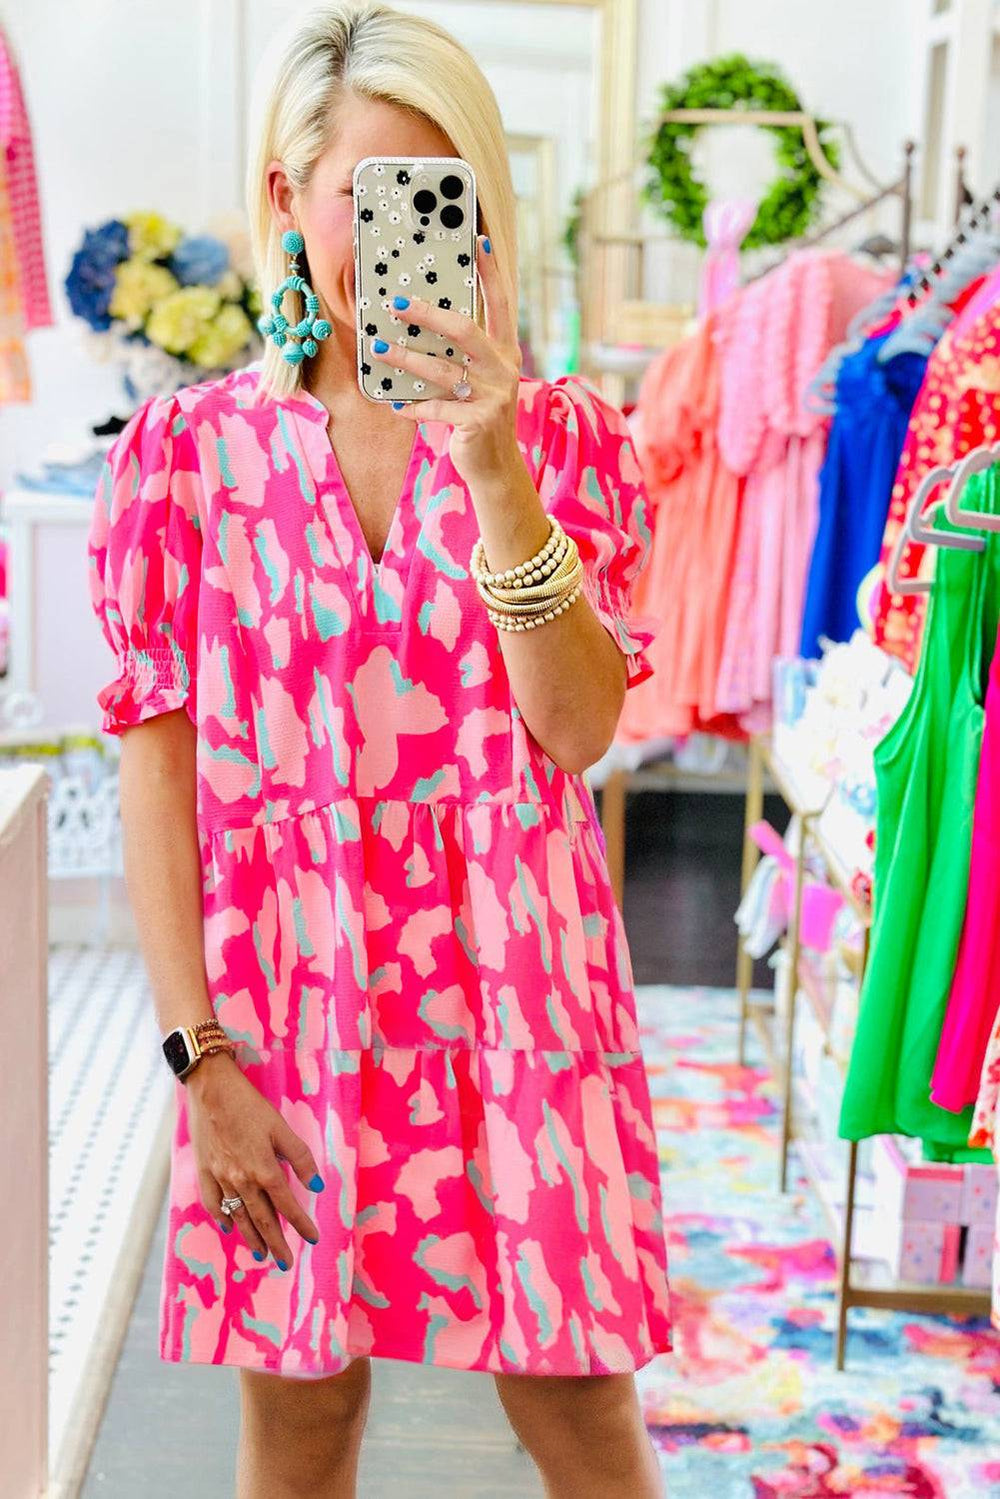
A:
x: 183, y: 1050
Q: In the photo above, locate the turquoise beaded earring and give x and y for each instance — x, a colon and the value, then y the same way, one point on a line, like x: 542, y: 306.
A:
x: 305, y: 335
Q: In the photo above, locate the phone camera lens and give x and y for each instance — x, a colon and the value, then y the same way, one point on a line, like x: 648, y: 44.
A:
x: 452, y: 216
x: 424, y: 220
x: 424, y: 201
x: 452, y: 187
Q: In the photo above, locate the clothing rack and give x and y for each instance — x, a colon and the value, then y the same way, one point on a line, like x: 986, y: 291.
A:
x: 901, y: 188
x: 803, y: 984
x: 612, y: 265
x: 765, y: 772
x: 662, y: 775
x: 980, y: 216
x: 799, y: 119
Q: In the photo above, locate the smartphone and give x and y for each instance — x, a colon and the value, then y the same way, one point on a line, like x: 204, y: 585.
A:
x: 415, y: 224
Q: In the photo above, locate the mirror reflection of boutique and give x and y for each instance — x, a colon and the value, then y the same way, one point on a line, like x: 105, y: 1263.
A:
x: 678, y: 1069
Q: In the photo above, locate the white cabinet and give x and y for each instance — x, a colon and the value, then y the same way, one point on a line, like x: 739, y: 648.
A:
x: 57, y: 652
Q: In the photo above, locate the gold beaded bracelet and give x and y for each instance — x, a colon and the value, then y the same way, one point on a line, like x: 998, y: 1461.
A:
x: 554, y: 581
x: 520, y: 623
x: 556, y: 535
x: 535, y: 591
x: 212, y: 1037
x: 541, y: 582
x: 543, y: 599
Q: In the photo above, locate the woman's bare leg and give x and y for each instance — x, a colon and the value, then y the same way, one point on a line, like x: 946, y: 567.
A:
x: 585, y: 1432
x: 301, y: 1438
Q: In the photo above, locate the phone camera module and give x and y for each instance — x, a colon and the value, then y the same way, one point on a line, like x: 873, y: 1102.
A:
x: 452, y: 187
x: 452, y: 216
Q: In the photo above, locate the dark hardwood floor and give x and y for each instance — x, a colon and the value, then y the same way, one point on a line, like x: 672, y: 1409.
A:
x: 682, y: 885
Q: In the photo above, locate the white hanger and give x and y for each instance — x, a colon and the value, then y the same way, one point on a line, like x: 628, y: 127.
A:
x: 913, y: 529
x: 975, y: 462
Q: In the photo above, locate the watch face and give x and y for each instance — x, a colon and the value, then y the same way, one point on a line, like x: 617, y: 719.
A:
x: 176, y: 1052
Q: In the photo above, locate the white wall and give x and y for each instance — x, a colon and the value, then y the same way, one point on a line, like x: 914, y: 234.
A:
x: 135, y: 103
x: 847, y: 60
x: 111, y: 93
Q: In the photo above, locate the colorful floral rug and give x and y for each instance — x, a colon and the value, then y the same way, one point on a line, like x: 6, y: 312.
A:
x: 750, y: 1404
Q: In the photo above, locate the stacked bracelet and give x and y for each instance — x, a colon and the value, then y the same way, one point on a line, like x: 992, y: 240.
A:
x: 211, y: 1037
x: 534, y: 591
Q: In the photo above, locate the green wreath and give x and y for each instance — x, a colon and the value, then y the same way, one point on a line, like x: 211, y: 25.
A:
x: 792, y: 202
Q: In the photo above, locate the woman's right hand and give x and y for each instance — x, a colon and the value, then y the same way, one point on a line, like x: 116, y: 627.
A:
x: 237, y: 1136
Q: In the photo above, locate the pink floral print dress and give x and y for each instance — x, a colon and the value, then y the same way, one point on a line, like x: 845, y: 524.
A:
x: 410, y: 934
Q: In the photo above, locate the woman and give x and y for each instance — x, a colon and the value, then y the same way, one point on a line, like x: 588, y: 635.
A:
x: 358, y: 837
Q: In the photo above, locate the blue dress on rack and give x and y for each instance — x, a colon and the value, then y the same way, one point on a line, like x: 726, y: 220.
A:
x: 873, y: 403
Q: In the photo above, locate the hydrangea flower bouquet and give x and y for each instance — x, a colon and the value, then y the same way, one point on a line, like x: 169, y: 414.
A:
x: 171, y: 309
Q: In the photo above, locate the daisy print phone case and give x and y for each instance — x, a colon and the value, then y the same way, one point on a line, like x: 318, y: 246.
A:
x: 414, y: 236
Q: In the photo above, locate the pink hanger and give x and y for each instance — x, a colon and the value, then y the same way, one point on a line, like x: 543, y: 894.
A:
x: 820, y: 903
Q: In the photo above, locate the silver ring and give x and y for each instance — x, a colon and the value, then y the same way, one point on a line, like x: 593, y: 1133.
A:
x: 230, y: 1204
x: 461, y: 389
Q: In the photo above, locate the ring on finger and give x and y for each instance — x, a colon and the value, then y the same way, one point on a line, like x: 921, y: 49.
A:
x: 230, y: 1205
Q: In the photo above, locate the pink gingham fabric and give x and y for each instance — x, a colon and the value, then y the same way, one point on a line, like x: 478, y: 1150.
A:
x: 22, y: 192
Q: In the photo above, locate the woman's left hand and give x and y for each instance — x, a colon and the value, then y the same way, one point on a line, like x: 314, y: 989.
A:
x: 484, y: 440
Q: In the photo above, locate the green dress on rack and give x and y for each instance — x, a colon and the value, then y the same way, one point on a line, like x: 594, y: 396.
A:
x: 926, y: 768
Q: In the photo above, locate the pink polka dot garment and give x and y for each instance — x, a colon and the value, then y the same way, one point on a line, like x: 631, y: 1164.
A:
x: 410, y: 933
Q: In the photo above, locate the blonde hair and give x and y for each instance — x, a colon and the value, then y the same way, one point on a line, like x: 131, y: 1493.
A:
x: 369, y: 49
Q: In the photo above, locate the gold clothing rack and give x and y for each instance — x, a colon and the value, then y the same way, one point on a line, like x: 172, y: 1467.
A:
x: 954, y: 1300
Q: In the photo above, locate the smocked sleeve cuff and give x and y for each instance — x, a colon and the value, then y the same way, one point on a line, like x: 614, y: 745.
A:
x: 149, y: 682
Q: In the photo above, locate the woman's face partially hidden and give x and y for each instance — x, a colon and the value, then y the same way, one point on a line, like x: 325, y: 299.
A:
x: 324, y: 212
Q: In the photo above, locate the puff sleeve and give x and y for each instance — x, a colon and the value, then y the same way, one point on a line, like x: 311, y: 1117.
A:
x: 588, y: 476
x: 144, y: 554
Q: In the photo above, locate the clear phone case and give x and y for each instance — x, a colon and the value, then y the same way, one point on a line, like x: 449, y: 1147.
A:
x: 414, y: 236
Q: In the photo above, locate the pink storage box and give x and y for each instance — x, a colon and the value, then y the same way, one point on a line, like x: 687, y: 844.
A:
x: 979, y: 1194
x: 928, y: 1252
x: 931, y: 1191
x: 977, y: 1261
x: 917, y: 1251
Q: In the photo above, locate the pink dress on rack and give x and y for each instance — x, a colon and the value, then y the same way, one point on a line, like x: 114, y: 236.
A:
x: 410, y: 931
x: 773, y: 337
x: 975, y: 988
x: 696, y: 503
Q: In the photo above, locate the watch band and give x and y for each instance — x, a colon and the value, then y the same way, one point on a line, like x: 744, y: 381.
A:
x: 185, y: 1045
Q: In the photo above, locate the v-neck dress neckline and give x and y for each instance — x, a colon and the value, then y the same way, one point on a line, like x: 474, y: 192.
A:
x: 378, y: 589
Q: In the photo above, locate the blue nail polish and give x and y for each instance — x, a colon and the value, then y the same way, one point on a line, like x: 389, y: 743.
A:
x: 281, y: 1264
x: 487, y: 247
x: 397, y: 405
x: 257, y: 1255
x: 227, y: 1228
x: 400, y: 301
x: 311, y: 1241
x: 316, y: 1185
x: 380, y: 346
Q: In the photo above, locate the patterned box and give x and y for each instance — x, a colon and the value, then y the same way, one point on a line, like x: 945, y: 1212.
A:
x: 928, y: 1252
x: 928, y: 1191
x: 979, y: 1194
x: 977, y: 1260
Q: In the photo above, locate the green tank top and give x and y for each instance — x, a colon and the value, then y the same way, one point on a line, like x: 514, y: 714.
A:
x: 926, y: 769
